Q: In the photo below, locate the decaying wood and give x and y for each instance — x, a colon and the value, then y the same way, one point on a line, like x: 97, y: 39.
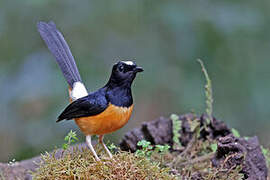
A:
x: 239, y: 150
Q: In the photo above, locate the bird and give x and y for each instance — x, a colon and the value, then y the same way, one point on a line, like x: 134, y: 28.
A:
x: 96, y: 113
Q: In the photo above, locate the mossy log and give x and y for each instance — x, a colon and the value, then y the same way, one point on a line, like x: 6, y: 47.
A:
x: 231, y: 151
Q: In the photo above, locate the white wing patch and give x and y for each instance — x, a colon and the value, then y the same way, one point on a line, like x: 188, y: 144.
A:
x: 78, y: 91
x: 129, y: 62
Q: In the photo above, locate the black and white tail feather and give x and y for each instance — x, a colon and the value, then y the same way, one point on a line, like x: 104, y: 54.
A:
x: 60, y: 50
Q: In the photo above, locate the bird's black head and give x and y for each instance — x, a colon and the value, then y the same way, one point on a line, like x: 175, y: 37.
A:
x: 124, y: 72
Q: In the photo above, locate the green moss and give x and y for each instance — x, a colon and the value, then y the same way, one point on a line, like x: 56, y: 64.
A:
x: 177, y: 126
x: 266, y: 153
x: 80, y: 164
x: 208, y: 94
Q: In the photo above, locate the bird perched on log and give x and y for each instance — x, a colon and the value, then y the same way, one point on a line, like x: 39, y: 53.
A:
x: 103, y: 111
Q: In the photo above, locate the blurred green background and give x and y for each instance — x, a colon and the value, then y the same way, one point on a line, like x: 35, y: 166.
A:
x: 164, y: 37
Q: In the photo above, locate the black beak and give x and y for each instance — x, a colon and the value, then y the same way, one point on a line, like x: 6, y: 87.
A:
x: 138, y: 69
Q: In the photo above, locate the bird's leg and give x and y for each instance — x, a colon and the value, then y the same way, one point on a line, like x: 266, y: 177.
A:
x: 100, y: 138
x: 88, y: 142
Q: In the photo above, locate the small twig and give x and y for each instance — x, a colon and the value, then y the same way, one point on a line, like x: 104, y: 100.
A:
x: 229, y: 170
x: 183, y: 154
x: 227, y: 159
x: 198, y: 159
x: 189, y: 146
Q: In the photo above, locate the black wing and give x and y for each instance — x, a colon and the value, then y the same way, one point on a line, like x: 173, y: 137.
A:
x: 90, y: 105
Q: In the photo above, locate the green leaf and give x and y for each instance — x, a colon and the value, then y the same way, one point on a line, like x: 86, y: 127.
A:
x: 167, y: 147
x: 112, y: 146
x: 214, y: 147
x: 162, y: 148
x: 65, y: 146
x: 66, y: 138
x: 265, y: 151
x: 71, y: 137
x: 143, y: 143
x: 140, y: 152
x: 148, y: 153
x: 235, y: 133
x: 140, y: 143
x: 159, y: 148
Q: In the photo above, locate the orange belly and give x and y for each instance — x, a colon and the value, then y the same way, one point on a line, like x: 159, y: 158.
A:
x: 110, y: 120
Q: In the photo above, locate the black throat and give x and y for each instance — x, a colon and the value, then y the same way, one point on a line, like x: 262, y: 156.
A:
x: 119, y: 94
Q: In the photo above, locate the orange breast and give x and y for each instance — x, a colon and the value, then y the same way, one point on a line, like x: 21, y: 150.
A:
x: 110, y: 120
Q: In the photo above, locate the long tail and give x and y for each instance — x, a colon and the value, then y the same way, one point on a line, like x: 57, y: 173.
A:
x: 60, y: 49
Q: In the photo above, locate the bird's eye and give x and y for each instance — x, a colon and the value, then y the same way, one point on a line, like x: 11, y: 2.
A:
x: 121, y: 68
